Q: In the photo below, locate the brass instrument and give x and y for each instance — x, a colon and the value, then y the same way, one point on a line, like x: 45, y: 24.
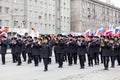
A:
x: 79, y: 42
x: 102, y: 44
x: 56, y: 40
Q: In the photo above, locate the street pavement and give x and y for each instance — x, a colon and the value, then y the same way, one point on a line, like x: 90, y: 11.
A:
x: 28, y: 72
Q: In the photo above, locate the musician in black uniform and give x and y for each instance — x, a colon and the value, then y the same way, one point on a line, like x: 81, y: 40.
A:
x: 81, y: 50
x: 56, y: 49
x: 36, y: 51
x: 29, y: 49
x: 100, y: 49
x: 51, y: 43
x: 118, y: 53
x: 90, y: 50
x: 18, y: 47
x: 71, y: 49
x: 96, y: 50
x: 24, y: 48
x: 60, y: 50
x: 115, y: 50
x: 106, y: 52
x: 12, y: 46
x: 75, y: 49
x: 3, y: 51
x: 45, y: 53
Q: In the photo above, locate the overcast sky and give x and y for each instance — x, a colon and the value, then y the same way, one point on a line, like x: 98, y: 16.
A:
x: 116, y: 2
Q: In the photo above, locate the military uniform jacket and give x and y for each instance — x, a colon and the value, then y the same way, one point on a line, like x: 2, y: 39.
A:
x: 3, y: 47
x: 28, y: 46
x: 81, y: 49
x: 107, y: 49
x: 71, y: 47
x: 35, y: 49
x: 23, y: 48
x: 116, y: 48
x: 45, y: 51
x: 51, y: 43
x: 91, y: 48
x: 18, y: 46
x: 97, y: 46
x: 12, y: 46
x: 60, y: 46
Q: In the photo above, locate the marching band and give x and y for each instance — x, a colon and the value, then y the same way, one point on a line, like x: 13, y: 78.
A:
x: 66, y: 49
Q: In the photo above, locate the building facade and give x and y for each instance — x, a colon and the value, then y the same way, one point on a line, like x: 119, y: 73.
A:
x: 40, y: 14
x: 92, y: 14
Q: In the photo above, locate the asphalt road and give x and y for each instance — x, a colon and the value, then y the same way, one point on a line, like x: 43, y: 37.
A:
x: 28, y: 72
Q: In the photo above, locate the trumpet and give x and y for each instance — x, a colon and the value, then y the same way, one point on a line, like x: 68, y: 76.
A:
x: 56, y: 40
x: 102, y: 44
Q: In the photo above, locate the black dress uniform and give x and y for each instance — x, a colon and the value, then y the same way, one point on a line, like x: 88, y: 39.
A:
x: 29, y: 50
x: 35, y: 52
x: 51, y: 43
x: 106, y: 52
x: 81, y: 50
x: 45, y: 54
x: 18, y: 47
x: 90, y: 51
x: 118, y: 53
x: 75, y: 52
x: 55, y: 51
x: 70, y: 51
x: 96, y: 52
x: 3, y: 51
x: 60, y: 52
x: 12, y: 46
x: 24, y: 48
x: 115, y: 48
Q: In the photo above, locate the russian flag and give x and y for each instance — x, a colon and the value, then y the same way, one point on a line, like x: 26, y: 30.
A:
x: 108, y: 33
x: 87, y: 33
x: 116, y: 31
x: 109, y: 30
x: 100, y: 31
x: 110, y: 27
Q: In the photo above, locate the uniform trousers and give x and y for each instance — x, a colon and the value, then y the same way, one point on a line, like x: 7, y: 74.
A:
x: 3, y: 58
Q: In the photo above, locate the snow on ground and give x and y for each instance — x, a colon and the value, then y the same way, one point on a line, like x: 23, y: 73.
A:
x: 28, y: 72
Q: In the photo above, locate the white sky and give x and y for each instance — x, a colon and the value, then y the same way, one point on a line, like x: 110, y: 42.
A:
x: 116, y: 2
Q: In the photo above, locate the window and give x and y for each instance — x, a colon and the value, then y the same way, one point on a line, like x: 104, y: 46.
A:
x: 35, y: 24
x: 15, y: 23
x: 6, y: 10
x: 6, y: 0
x: 30, y: 24
x: 54, y: 17
x: 15, y: 1
x: 30, y: 2
x: 0, y: 22
x: 49, y: 25
x: 0, y: 9
x: 41, y: 2
x: 45, y: 16
x: 64, y: 19
x: 15, y: 10
x: 6, y: 22
x: 35, y: 1
x: 39, y: 17
x: 45, y: 25
x: 49, y: 16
